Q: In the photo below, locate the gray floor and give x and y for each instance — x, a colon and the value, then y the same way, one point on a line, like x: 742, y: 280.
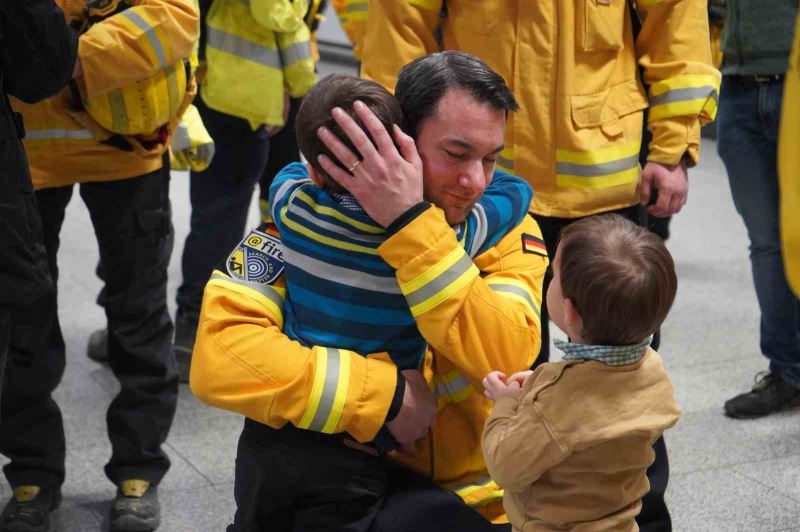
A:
x: 726, y: 475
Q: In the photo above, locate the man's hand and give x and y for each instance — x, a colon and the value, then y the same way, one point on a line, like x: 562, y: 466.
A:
x: 495, y: 386
x: 274, y: 130
x: 385, y: 181
x: 77, y: 70
x: 672, y: 183
x: 417, y: 413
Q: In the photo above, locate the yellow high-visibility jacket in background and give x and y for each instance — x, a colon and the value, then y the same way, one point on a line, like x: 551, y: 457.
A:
x: 485, y: 319
x: 256, y: 50
x: 64, y: 145
x: 573, y: 68
x: 789, y: 167
x: 353, y: 18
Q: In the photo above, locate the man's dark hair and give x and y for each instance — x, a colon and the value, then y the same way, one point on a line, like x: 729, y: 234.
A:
x: 619, y: 276
x: 338, y: 90
x: 423, y: 82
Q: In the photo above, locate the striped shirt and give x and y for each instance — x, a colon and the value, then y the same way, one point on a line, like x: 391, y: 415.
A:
x: 340, y: 292
x: 612, y: 355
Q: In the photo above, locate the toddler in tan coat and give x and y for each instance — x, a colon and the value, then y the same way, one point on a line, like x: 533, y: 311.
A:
x: 570, y: 442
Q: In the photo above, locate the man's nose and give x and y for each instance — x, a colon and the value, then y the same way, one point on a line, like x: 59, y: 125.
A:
x: 473, y: 178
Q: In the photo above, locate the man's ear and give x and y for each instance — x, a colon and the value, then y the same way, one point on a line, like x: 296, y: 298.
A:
x: 314, y: 175
x: 571, y: 316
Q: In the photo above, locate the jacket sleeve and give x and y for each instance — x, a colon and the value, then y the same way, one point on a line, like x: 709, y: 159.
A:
x: 674, y: 50
x: 136, y: 43
x: 482, y: 315
x: 243, y: 362
x: 519, y: 445
x: 38, y: 49
x: 398, y: 32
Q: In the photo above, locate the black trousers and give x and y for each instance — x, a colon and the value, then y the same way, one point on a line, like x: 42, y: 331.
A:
x: 132, y: 223
x: 220, y: 196
x: 654, y: 516
x: 304, y: 481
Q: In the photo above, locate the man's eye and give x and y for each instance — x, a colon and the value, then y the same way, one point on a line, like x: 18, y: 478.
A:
x: 454, y: 155
x: 490, y: 160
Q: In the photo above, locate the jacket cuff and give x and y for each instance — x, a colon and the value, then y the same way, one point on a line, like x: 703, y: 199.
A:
x: 418, y: 239
x: 506, y: 406
x: 675, y: 139
x: 397, y: 400
x: 373, y: 392
x: 407, y: 217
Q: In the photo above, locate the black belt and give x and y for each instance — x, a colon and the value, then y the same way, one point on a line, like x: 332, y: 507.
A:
x: 11, y: 127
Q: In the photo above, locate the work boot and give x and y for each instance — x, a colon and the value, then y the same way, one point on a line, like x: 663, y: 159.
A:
x: 185, y: 333
x: 97, y: 349
x: 770, y: 394
x: 29, y: 509
x: 135, y: 508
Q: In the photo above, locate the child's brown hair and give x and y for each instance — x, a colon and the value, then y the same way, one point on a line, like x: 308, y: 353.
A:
x: 338, y: 90
x: 619, y: 276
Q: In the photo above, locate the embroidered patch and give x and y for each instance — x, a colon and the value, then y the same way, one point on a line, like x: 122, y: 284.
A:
x: 532, y: 244
x: 258, y: 258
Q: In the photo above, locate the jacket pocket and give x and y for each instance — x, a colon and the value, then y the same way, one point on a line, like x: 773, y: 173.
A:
x: 605, y: 109
x: 601, y: 24
x: 474, y: 16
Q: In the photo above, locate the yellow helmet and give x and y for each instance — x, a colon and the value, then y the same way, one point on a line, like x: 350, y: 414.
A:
x: 144, y: 106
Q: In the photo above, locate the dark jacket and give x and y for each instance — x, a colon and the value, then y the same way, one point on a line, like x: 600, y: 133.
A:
x: 758, y: 36
x: 37, y: 56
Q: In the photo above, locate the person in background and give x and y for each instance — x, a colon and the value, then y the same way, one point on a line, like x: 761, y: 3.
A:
x: 756, y: 45
x: 588, y: 422
x: 131, y: 64
x: 37, y: 58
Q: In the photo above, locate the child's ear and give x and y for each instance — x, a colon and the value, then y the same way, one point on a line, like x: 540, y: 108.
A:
x: 314, y: 175
x: 571, y: 315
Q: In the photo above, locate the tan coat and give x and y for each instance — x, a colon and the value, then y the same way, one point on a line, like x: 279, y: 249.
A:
x: 572, y: 453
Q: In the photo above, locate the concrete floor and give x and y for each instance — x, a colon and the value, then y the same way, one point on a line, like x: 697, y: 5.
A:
x: 727, y: 475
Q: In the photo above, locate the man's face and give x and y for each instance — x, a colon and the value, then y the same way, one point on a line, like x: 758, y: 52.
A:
x: 459, y: 145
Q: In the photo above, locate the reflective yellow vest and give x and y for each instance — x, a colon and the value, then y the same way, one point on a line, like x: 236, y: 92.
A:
x: 65, y: 145
x: 789, y: 170
x: 572, y: 66
x: 256, y: 50
x: 353, y: 18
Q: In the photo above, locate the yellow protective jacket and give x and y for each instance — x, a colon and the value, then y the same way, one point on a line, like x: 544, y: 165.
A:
x: 353, y: 18
x: 485, y: 319
x: 572, y: 66
x: 789, y: 166
x: 255, y: 51
x: 63, y: 144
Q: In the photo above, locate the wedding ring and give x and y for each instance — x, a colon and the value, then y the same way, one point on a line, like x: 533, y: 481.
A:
x: 354, y: 166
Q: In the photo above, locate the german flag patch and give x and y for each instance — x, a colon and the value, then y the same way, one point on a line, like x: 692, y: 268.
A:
x: 533, y: 244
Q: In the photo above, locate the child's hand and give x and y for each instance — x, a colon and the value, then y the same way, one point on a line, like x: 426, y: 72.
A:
x: 495, y: 386
x: 519, y: 377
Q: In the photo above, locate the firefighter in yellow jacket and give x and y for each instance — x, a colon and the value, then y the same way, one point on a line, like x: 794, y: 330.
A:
x: 108, y: 132
x: 257, y: 58
x: 575, y: 69
x: 475, y: 314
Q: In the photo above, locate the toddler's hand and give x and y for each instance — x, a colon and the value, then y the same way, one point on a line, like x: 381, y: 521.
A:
x: 495, y: 386
x: 519, y: 377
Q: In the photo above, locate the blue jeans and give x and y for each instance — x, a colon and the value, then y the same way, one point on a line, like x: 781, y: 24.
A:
x: 748, y: 119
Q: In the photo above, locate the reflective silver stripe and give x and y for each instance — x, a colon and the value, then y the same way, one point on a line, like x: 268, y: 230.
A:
x: 480, y: 481
x: 309, y: 216
x: 594, y: 170
x: 345, y: 276
x: 296, y: 52
x: 227, y: 42
x: 119, y: 113
x: 356, y: 7
x: 46, y: 134
x: 682, y: 95
x: 263, y: 289
x: 325, y: 406
x: 481, y: 227
x: 511, y: 289
x: 151, y: 35
x: 453, y: 387
x: 507, y: 163
x: 439, y: 283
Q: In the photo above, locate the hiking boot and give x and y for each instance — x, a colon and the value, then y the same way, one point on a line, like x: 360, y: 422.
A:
x: 97, y: 349
x: 185, y: 332
x: 135, y: 508
x: 770, y: 394
x: 29, y: 509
